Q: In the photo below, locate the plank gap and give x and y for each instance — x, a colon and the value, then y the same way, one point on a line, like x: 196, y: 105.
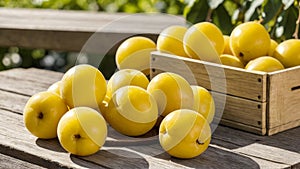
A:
x: 9, y: 110
x: 90, y: 161
x: 24, y: 156
x: 14, y: 92
x: 241, y: 123
x: 278, y: 162
x: 240, y: 97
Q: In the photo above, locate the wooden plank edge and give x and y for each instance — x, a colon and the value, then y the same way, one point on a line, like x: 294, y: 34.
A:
x: 35, y: 75
x: 283, y: 127
x: 276, y: 165
x: 244, y: 127
x: 252, y: 117
x: 263, y: 163
x: 25, y: 156
x: 270, y: 153
x: 158, y: 53
x: 11, y: 162
x: 295, y: 68
x: 275, y: 113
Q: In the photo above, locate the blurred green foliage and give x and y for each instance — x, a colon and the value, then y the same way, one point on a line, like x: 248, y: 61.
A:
x: 278, y: 16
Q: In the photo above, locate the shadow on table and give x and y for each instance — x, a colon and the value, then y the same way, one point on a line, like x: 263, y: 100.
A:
x: 50, y: 144
x: 288, y: 140
x: 211, y: 158
x: 232, y: 139
x: 214, y: 158
x: 114, y: 158
x: 117, y: 139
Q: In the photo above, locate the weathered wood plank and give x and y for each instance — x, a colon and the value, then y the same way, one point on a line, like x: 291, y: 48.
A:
x: 288, y: 140
x: 254, y: 115
x: 27, y: 81
x: 12, y: 102
x: 33, y: 75
x: 273, y: 153
x: 242, y: 126
x: 10, y: 162
x: 283, y: 147
x: 284, y: 100
x: 69, y: 30
x: 23, y: 87
x: 63, y: 20
x: 216, y: 157
x: 263, y: 164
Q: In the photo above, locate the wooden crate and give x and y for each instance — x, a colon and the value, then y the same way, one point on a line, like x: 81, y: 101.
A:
x: 258, y: 102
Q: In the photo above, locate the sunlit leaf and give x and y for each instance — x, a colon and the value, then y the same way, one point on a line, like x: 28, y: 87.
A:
x: 186, y: 1
x: 286, y: 24
x: 230, y: 6
x: 130, y: 8
x: 213, y: 4
x: 271, y: 8
x: 196, y: 12
x: 223, y: 20
x: 235, y: 15
x: 287, y: 3
x: 250, y: 12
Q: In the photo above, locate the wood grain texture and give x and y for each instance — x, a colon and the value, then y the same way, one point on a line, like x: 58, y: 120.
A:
x: 8, y: 162
x: 239, y: 110
x: 34, y: 75
x: 284, y: 100
x: 216, y: 77
x: 13, y: 102
x: 284, y: 127
x: 27, y: 81
x: 274, y: 153
x: 71, y: 30
x: 282, y: 147
x: 244, y: 127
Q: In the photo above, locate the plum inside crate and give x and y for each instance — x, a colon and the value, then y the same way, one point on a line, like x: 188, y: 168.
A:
x: 258, y: 102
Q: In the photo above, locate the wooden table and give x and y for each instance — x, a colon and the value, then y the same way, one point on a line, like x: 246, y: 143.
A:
x: 229, y: 148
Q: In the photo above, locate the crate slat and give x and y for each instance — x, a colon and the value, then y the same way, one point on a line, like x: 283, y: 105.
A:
x: 284, y: 99
x: 216, y: 77
x: 234, y: 111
